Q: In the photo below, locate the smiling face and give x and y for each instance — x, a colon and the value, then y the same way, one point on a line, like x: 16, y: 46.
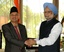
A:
x: 48, y: 13
x: 14, y: 17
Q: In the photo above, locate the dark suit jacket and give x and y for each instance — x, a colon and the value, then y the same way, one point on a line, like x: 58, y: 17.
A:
x: 11, y: 38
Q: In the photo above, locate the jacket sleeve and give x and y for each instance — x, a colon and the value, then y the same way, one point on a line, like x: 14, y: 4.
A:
x: 8, y: 37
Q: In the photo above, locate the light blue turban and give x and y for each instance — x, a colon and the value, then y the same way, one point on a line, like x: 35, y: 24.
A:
x: 52, y: 7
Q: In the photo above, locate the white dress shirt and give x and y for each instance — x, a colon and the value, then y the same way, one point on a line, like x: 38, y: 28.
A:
x: 53, y: 36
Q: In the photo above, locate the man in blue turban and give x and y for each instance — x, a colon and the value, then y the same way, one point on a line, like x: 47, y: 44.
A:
x: 50, y: 30
x: 52, y: 7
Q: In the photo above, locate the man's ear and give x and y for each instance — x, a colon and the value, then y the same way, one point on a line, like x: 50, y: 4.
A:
x: 56, y: 16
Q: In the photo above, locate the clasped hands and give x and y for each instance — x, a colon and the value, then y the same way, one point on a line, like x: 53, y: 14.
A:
x: 30, y: 42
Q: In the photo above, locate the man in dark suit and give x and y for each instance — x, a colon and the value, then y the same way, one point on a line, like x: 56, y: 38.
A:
x: 15, y: 34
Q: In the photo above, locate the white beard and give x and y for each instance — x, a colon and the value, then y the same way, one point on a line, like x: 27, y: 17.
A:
x: 49, y: 17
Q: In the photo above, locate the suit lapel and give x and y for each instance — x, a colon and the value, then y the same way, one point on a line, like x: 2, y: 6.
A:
x: 12, y: 30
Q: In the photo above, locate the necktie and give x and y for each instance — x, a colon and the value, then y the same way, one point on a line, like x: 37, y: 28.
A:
x: 18, y: 34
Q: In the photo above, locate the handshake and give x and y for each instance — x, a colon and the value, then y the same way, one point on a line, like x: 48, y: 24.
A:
x: 30, y: 42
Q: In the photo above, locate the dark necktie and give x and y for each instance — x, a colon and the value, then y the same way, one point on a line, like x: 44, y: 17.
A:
x: 18, y: 34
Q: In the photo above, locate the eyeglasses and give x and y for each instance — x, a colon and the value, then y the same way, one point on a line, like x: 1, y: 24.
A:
x: 47, y: 11
x: 14, y: 15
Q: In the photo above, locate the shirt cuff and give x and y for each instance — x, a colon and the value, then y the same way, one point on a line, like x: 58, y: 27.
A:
x: 37, y: 42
